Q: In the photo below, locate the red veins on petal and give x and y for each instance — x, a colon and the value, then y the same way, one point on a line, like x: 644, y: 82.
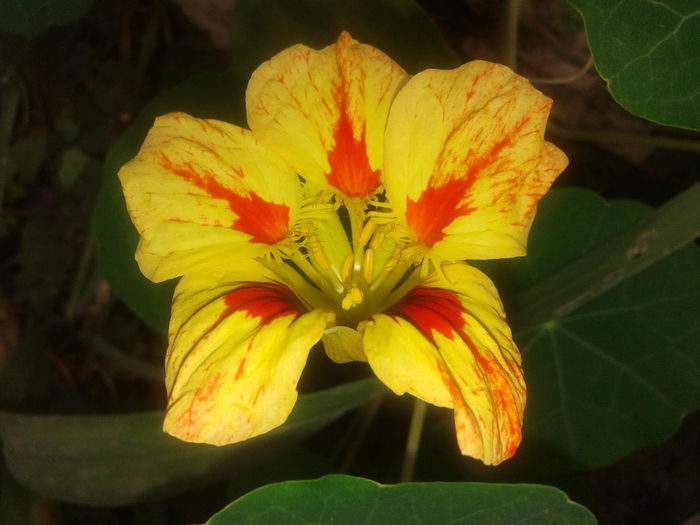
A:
x: 431, y: 309
x: 266, y: 222
x: 435, y: 209
x: 350, y: 170
x: 267, y: 301
x: 438, y: 206
x: 438, y: 310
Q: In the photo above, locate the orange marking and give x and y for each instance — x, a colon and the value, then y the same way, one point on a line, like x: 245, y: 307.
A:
x: 266, y: 222
x: 268, y: 301
x: 504, y: 402
x: 350, y: 171
x: 205, y: 391
x: 435, y: 209
x: 438, y: 206
x: 239, y: 372
x: 431, y: 309
x: 449, y: 382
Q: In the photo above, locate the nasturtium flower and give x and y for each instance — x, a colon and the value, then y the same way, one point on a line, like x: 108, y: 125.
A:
x: 344, y: 215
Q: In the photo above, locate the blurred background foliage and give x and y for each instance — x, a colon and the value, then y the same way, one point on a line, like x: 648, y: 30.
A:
x: 605, y: 307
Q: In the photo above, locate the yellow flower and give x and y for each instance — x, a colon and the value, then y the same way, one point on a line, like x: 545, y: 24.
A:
x: 343, y: 215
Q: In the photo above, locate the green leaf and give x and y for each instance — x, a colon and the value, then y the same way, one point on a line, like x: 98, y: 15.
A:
x: 347, y: 500
x: 206, y: 95
x: 31, y: 17
x: 649, y: 53
x: 400, y: 28
x: 610, y: 371
x: 123, y: 459
x: 19, y: 505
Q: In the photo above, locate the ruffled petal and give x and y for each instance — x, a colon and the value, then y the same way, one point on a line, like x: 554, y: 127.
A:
x: 238, y: 343
x: 447, y: 343
x: 203, y: 190
x: 325, y: 112
x: 466, y: 161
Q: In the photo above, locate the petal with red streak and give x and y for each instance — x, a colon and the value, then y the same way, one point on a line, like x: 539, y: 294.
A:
x: 465, y: 160
x: 325, y: 112
x: 448, y: 344
x: 204, y: 191
x: 237, y: 349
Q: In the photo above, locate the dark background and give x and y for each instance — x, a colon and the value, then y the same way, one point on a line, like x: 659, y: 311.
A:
x: 81, y: 85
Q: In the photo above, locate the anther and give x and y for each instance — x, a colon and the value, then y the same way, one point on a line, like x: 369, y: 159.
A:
x: 318, y: 252
x: 353, y: 297
x: 377, y: 240
x: 367, y: 231
x: 368, y: 266
x: 346, y: 271
x: 356, y: 295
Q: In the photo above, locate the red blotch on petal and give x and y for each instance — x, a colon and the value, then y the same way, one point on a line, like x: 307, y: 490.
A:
x: 266, y: 222
x: 432, y: 309
x: 350, y: 170
x: 435, y: 209
x: 268, y: 301
x: 438, y: 206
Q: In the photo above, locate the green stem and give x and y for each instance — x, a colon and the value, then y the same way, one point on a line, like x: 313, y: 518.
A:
x: 621, y: 137
x: 509, y: 41
x: 413, y: 441
x: 136, y: 366
x: 655, y: 236
x: 567, y: 78
x: 358, y: 431
x: 81, y: 277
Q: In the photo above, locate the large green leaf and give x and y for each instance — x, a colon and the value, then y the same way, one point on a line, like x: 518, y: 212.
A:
x: 206, y: 95
x: 122, y: 459
x: 649, y: 53
x: 609, y: 373
x: 19, y: 505
x: 347, y: 500
x: 400, y: 28
x: 31, y: 17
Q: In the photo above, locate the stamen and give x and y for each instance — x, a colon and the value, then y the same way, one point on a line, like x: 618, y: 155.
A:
x: 356, y: 295
x: 312, y: 273
x: 390, y: 266
x: 367, y: 231
x: 353, y: 297
x: 377, y: 240
x: 381, y: 217
x: 346, y: 303
x: 368, y: 266
x: 318, y: 253
x: 346, y: 272
x: 311, y: 296
x: 316, y: 207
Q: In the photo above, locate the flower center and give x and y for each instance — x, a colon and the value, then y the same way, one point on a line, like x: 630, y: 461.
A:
x: 349, y: 257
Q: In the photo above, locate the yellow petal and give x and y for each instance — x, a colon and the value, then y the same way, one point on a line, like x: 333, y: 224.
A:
x: 238, y: 344
x: 201, y: 191
x: 325, y: 111
x: 343, y: 344
x: 465, y: 160
x: 449, y: 345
